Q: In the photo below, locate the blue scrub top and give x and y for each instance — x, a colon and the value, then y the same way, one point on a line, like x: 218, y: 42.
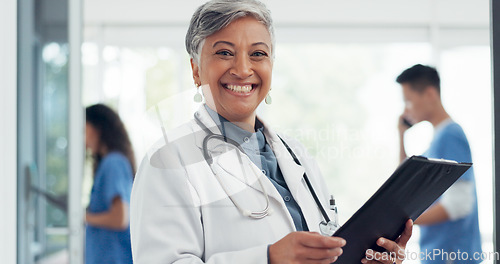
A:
x: 113, y: 178
x: 462, y: 234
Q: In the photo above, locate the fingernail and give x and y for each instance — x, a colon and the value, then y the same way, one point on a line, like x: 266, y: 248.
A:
x: 364, y: 261
x: 369, y: 252
x: 381, y: 241
x: 343, y: 242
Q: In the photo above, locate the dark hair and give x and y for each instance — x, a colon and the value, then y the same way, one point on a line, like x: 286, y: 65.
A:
x: 111, y: 133
x: 419, y: 77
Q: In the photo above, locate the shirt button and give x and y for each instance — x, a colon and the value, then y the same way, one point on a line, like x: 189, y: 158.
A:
x: 246, y: 139
x: 264, y: 171
x: 287, y: 198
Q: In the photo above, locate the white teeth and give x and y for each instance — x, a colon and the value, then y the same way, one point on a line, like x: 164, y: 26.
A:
x: 240, y: 89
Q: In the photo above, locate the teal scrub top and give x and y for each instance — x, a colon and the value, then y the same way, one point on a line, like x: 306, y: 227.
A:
x: 113, y: 178
x: 461, y: 235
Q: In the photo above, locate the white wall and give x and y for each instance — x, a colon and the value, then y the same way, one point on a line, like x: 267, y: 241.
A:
x: 449, y: 13
x: 443, y: 23
x: 8, y: 75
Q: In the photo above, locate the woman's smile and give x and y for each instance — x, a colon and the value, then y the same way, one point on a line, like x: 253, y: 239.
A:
x: 239, y: 88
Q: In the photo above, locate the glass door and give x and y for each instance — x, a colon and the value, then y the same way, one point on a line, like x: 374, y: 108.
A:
x: 44, y: 142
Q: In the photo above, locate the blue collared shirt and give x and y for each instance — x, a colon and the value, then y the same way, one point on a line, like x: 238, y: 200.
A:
x: 261, y: 154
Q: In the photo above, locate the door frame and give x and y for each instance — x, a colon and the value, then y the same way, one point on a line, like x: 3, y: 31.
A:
x: 76, y: 134
x: 495, y: 63
x: 8, y: 131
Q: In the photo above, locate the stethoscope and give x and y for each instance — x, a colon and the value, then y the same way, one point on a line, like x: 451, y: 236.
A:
x: 327, y: 226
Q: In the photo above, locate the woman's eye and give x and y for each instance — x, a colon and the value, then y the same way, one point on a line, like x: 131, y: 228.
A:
x: 259, y: 54
x: 224, y: 53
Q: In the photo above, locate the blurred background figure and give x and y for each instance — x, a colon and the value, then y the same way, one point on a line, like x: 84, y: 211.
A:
x: 107, y: 217
x: 451, y: 223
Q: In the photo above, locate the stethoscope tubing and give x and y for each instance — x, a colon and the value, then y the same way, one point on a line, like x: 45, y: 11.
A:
x: 255, y: 214
x: 308, y: 182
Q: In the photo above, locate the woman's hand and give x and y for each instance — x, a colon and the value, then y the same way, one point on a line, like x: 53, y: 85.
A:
x: 306, y: 247
x: 396, y: 249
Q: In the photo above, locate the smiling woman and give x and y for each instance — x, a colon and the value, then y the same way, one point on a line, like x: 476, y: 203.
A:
x: 197, y: 202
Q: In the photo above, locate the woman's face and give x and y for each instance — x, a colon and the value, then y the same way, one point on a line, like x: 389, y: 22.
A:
x: 235, y: 68
x: 91, y: 138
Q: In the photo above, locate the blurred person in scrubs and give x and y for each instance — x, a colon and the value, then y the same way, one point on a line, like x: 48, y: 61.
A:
x: 107, y: 216
x: 451, y: 223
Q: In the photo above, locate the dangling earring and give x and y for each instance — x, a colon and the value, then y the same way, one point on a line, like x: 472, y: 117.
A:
x: 268, y: 99
x: 197, y: 97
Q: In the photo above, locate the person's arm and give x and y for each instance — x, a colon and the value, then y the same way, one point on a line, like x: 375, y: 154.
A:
x: 435, y: 214
x: 112, y: 191
x: 457, y: 202
x: 402, y: 128
x: 402, y: 150
x: 116, y: 218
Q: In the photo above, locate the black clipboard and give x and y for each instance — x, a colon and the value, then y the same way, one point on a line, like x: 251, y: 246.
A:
x: 411, y: 189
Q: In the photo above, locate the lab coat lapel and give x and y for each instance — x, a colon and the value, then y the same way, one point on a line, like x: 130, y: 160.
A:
x: 293, y: 174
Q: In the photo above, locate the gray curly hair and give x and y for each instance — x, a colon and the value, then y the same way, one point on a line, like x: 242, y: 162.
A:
x: 215, y: 15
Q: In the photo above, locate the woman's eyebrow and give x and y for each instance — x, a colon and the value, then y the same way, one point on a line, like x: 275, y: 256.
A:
x: 223, y: 42
x: 232, y: 45
x: 260, y: 43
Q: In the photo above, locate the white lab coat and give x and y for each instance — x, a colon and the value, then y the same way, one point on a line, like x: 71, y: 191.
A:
x: 179, y: 212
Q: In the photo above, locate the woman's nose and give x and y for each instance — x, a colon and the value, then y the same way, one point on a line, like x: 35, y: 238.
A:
x: 242, y: 67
